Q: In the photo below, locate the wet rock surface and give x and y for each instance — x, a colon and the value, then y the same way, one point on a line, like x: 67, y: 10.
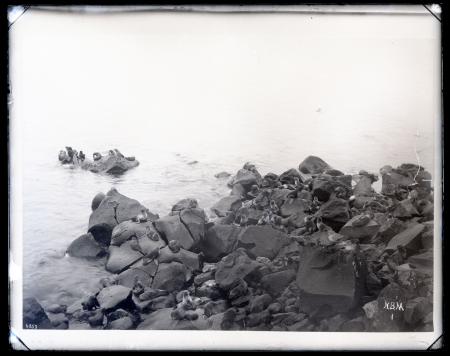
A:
x: 311, y: 249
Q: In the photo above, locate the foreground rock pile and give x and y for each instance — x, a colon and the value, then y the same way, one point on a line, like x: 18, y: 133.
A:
x: 312, y: 249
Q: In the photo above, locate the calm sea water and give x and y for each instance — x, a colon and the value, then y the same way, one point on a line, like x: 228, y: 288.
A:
x: 205, y: 88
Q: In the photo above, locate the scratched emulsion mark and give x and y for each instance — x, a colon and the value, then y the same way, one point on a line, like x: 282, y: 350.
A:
x: 393, y: 306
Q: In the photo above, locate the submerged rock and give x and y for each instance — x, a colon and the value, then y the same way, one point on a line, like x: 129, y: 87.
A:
x: 86, y: 246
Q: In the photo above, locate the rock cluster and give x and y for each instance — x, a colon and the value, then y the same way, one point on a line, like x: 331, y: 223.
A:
x: 311, y: 249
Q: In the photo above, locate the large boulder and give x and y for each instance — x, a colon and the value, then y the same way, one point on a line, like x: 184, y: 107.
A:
x: 172, y: 228
x: 194, y: 219
x: 409, y: 238
x: 114, y: 297
x: 122, y: 257
x: 227, y: 204
x: 262, y: 240
x: 171, y: 276
x: 313, y: 165
x: 85, y: 246
x: 235, y: 267
x: 352, y: 229
x: 328, y: 281
x: 335, y: 213
x: 34, y: 315
x: 219, y: 241
x: 113, y: 209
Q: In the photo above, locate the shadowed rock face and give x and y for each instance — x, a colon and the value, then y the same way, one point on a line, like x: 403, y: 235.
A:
x: 34, y: 315
x: 328, y: 283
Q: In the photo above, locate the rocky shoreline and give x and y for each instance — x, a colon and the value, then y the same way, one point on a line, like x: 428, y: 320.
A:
x: 311, y: 249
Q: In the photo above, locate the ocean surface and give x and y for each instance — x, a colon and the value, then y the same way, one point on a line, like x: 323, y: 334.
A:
x: 203, y: 88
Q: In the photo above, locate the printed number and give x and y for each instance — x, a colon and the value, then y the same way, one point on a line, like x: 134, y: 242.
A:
x: 30, y: 326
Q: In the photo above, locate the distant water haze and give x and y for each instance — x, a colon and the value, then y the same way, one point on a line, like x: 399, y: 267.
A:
x: 169, y: 88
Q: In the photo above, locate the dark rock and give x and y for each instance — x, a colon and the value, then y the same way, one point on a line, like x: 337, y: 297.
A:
x: 289, y: 177
x: 233, y: 267
x: 188, y: 203
x: 162, y: 320
x: 238, y: 190
x: 172, y: 228
x: 391, y: 309
x: 405, y: 209
x: 97, y: 200
x: 323, y: 188
x: 171, y: 276
x: 275, y: 308
x: 275, y: 283
x: 227, y: 204
x: 328, y: 282
x: 313, y: 165
x: 86, y: 246
x: 409, y: 238
x: 335, y: 213
x: 246, y: 178
x: 219, y: 241
x: 353, y: 230
x: 194, y: 219
x: 280, y: 195
x: 262, y: 240
x: 423, y: 262
x: 102, y: 233
x: 390, y: 228
x: 113, y: 297
x: 34, y: 315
